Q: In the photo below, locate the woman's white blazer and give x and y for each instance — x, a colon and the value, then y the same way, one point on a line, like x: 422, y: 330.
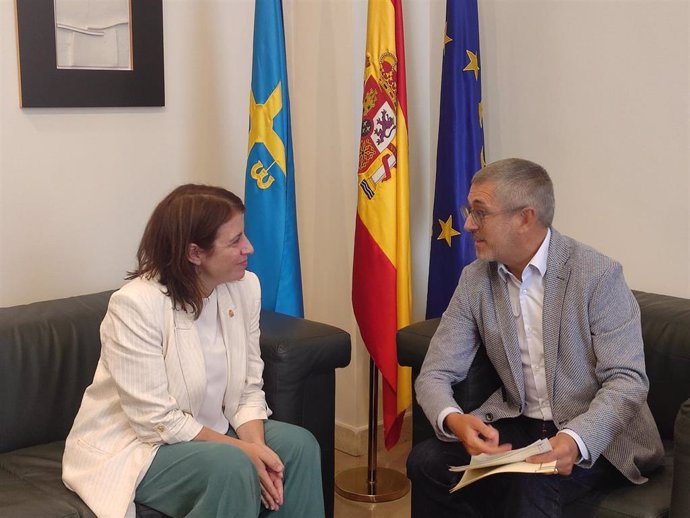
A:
x: 149, y: 385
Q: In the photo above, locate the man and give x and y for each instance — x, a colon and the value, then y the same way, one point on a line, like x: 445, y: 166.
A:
x: 562, y: 330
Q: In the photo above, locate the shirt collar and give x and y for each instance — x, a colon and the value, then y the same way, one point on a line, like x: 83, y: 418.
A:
x: 539, y: 260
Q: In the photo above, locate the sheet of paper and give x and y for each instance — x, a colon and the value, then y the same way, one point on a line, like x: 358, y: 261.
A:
x: 484, y: 460
x: 472, y: 475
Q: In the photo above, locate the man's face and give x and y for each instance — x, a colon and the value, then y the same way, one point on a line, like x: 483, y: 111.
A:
x: 494, y: 232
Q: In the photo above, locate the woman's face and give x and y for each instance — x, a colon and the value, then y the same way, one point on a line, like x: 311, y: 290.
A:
x: 227, y: 260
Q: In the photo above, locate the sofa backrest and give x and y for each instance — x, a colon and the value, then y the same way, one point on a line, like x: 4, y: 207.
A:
x: 666, y: 335
x: 48, y: 354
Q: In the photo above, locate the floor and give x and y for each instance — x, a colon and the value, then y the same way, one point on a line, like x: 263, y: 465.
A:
x: 393, y: 459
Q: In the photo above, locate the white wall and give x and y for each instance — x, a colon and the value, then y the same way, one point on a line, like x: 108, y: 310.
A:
x: 599, y: 93
x: 596, y: 91
x: 77, y: 185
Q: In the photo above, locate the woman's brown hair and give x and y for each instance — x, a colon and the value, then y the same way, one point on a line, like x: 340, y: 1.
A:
x: 189, y: 214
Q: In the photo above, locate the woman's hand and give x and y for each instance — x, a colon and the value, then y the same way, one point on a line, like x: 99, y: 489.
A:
x: 268, y: 465
x: 277, y: 479
x: 270, y: 470
x: 271, y: 473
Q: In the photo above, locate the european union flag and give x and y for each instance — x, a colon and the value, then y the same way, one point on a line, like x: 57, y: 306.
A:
x: 270, y: 221
x: 460, y: 152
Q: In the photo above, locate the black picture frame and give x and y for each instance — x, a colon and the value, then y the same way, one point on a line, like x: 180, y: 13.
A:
x: 43, y: 85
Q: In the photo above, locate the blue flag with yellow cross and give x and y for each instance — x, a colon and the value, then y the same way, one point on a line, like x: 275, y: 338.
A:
x: 270, y: 220
x: 460, y: 152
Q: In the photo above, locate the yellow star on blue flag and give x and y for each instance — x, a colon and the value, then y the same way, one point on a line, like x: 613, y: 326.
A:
x: 447, y: 230
x: 473, y: 65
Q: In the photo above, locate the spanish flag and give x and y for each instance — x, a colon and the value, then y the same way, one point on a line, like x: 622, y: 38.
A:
x: 381, y: 294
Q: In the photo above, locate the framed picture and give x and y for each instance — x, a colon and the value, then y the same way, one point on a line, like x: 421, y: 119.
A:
x: 66, y: 62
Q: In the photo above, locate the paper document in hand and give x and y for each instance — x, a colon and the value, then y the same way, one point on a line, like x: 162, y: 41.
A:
x: 472, y: 474
x: 512, y: 461
x: 484, y: 460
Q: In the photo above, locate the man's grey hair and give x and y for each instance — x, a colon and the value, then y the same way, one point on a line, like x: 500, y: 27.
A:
x: 521, y: 183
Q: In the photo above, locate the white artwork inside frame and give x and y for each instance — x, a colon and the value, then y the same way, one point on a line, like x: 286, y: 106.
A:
x: 93, y: 34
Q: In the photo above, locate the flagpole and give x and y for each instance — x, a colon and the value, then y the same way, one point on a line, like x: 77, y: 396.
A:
x: 381, y: 259
x: 372, y: 451
x: 372, y: 484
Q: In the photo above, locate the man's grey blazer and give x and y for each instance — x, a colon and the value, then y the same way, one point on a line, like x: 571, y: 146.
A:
x: 593, y: 354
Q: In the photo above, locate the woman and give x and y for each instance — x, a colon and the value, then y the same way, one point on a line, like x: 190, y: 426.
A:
x: 176, y: 417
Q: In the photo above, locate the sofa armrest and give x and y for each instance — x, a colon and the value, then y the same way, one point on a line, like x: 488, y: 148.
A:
x: 482, y: 379
x: 300, y: 358
x: 295, y: 350
x: 413, y: 343
x: 307, y: 345
x: 680, y: 496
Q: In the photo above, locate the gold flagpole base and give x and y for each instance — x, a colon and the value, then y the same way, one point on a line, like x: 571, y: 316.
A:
x: 353, y: 484
x: 371, y: 483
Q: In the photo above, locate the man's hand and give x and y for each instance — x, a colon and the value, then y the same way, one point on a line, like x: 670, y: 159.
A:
x: 564, y: 451
x: 477, y: 436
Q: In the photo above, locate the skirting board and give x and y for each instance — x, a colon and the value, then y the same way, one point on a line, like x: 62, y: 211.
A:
x: 354, y: 440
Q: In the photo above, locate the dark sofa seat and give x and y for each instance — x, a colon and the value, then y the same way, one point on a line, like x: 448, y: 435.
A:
x: 666, y: 335
x: 48, y: 354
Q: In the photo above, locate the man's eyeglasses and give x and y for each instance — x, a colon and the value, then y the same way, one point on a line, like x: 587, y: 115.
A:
x: 478, y: 215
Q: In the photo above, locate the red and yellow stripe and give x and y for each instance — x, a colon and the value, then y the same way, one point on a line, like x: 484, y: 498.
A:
x: 381, y: 293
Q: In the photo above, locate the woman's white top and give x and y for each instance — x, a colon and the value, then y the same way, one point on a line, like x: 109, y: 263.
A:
x: 216, y: 362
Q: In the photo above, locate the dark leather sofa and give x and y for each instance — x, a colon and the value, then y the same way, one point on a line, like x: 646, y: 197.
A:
x: 666, y: 334
x: 48, y: 354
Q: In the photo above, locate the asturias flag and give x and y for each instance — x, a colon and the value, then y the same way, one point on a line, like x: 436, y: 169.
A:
x: 271, y: 222
x: 381, y: 294
x: 460, y: 152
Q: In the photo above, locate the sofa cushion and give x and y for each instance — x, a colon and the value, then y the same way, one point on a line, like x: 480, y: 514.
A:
x: 31, y: 484
x: 650, y: 500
